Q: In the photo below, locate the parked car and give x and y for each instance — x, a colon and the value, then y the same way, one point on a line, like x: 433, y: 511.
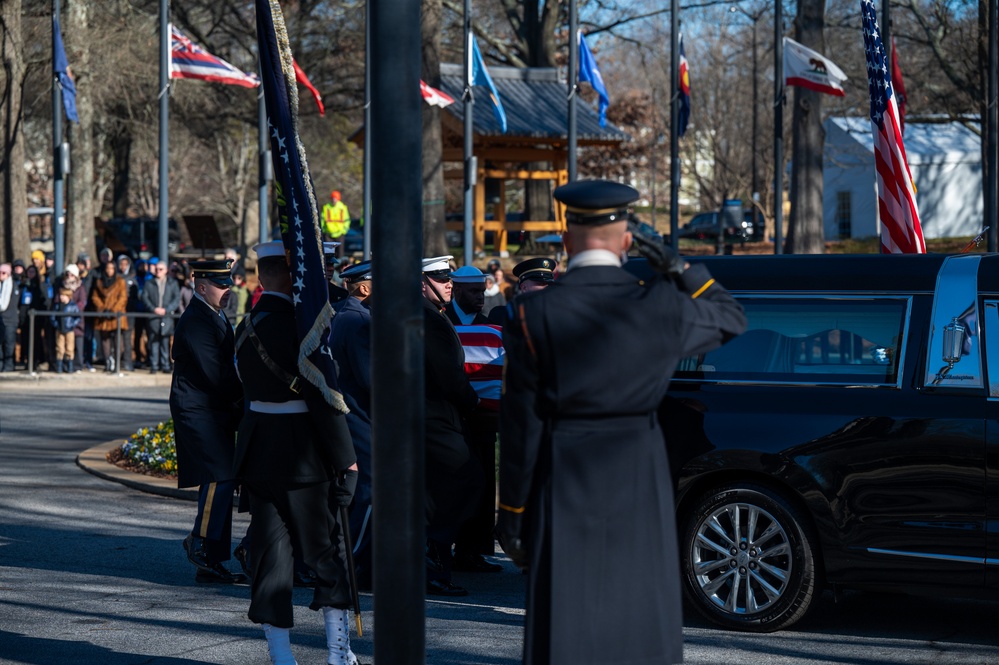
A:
x: 138, y: 237
x: 704, y: 226
x: 848, y: 438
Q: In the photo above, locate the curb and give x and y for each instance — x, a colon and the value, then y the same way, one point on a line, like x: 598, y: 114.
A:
x: 94, y: 460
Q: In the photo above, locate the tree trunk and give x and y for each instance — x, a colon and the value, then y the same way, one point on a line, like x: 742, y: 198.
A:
x: 15, y: 241
x: 434, y: 237
x: 805, y: 233
x: 80, y: 204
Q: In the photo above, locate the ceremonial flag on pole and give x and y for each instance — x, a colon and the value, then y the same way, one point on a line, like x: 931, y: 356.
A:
x: 901, y: 232
x: 479, y: 75
x: 810, y: 69
x: 435, y: 97
x: 683, y: 116
x: 298, y: 214
x: 60, y: 69
x: 190, y: 61
x: 304, y: 80
x: 899, y: 85
x: 589, y: 72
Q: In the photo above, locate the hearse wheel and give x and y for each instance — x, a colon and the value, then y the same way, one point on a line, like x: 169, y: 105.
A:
x: 748, y: 559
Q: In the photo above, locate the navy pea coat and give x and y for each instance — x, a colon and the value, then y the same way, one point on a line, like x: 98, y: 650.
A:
x: 582, y: 457
x: 205, y: 396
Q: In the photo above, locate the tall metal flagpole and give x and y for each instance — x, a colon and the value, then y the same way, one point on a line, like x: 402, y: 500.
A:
x: 397, y: 334
x: 778, y: 128
x: 164, y: 125
x: 674, y: 116
x: 471, y: 168
x: 573, y: 85
x: 58, y: 218
x: 886, y: 30
x: 265, y: 172
x: 992, y: 127
x: 366, y: 195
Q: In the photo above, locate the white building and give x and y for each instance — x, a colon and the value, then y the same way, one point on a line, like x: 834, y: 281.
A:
x: 946, y: 165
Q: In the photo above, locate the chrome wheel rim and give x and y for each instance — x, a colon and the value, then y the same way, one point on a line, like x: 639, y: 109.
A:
x: 741, y: 558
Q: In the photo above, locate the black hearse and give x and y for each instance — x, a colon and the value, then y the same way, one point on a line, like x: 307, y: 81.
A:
x: 850, y: 438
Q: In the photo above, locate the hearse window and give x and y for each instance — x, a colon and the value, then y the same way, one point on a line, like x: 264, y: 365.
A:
x: 953, y: 355
x: 810, y: 340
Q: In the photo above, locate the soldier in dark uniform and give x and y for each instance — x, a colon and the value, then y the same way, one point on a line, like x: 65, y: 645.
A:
x: 350, y: 345
x: 532, y: 275
x: 586, y: 500
x: 293, y: 450
x: 205, y: 401
x: 468, y: 288
x: 453, y: 476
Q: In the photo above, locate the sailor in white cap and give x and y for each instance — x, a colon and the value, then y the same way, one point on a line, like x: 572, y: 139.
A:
x: 454, y: 478
x: 467, y: 297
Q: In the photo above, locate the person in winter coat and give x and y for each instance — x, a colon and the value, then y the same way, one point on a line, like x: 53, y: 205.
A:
x: 110, y: 294
x: 64, y: 327
x: 161, y: 296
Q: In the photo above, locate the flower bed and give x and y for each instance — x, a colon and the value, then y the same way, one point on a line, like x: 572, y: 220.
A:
x: 150, y: 450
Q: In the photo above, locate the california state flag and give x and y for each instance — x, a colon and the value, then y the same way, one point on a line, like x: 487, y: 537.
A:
x: 810, y: 69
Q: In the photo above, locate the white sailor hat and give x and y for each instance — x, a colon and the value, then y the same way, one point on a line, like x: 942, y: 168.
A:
x: 268, y: 249
x: 468, y: 275
x: 437, y: 266
x: 329, y: 247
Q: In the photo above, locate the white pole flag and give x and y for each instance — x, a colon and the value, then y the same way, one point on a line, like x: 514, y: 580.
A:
x: 810, y: 69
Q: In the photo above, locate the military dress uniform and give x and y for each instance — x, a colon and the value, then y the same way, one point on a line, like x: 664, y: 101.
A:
x: 584, y: 478
x: 205, y: 397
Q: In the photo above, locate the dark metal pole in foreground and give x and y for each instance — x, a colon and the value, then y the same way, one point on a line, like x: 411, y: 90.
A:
x: 397, y: 334
x: 674, y: 117
x: 468, y: 110
x: 164, y: 126
x: 778, y: 128
x: 58, y: 220
x: 573, y: 86
x: 366, y: 205
x: 992, y: 127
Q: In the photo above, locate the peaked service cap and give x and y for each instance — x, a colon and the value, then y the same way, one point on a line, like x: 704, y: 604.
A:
x: 595, y: 202
x: 541, y: 268
x: 357, y: 272
x: 218, y: 272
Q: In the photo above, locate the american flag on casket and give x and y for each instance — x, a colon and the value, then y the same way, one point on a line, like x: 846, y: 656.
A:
x: 483, y: 345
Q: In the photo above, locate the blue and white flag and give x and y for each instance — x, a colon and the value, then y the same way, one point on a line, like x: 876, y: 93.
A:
x: 589, y: 72
x: 479, y: 75
x: 60, y: 69
x: 298, y: 213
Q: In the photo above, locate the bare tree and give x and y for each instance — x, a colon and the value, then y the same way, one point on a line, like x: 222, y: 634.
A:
x: 805, y: 233
x: 80, y: 202
x: 14, y: 240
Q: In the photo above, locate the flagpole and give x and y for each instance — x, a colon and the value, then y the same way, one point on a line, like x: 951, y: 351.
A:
x: 674, y: 119
x: 573, y: 85
x: 886, y: 30
x: 264, y: 168
x: 164, y: 125
x: 366, y: 195
x: 468, y: 111
x: 58, y: 219
x: 778, y: 128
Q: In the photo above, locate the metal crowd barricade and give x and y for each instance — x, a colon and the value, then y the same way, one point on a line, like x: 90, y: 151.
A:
x: 91, y: 315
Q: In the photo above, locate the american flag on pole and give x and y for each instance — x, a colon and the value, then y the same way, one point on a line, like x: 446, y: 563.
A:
x: 901, y: 232
x: 190, y: 61
x: 298, y: 213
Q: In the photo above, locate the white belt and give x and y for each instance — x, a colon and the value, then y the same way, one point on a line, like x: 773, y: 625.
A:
x: 291, y: 406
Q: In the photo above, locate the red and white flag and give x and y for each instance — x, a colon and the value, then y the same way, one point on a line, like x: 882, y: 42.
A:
x: 190, y: 61
x: 483, y: 345
x: 435, y: 97
x: 901, y: 232
x: 810, y: 69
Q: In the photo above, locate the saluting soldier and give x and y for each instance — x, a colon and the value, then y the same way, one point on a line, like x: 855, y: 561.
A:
x: 586, y: 499
x: 205, y: 397
x: 293, y: 450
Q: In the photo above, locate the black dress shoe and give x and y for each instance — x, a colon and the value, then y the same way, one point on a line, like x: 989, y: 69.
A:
x: 443, y: 588
x: 241, y: 555
x: 305, y: 579
x: 218, y: 574
x: 474, y: 563
x: 196, y: 554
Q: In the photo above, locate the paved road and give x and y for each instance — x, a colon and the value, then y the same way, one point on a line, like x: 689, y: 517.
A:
x: 92, y: 572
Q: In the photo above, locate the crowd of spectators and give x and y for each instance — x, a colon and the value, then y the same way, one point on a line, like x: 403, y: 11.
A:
x: 105, y: 317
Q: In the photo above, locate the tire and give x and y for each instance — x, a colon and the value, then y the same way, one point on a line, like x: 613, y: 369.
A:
x: 748, y: 559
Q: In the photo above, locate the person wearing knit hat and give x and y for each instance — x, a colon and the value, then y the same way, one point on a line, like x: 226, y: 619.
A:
x: 72, y: 269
